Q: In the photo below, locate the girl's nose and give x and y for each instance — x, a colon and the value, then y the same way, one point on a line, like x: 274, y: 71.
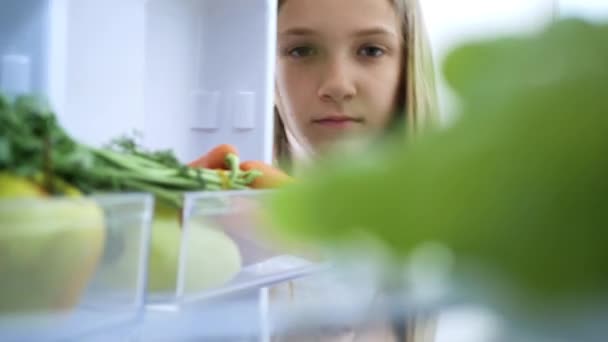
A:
x: 337, y: 83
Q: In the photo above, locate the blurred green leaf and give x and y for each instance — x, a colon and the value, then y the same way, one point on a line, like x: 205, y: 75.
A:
x: 519, y: 183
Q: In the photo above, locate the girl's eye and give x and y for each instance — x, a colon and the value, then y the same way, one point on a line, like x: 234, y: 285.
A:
x: 371, y: 51
x: 302, y: 51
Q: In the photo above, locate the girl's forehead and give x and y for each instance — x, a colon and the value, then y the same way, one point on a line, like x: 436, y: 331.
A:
x: 338, y: 15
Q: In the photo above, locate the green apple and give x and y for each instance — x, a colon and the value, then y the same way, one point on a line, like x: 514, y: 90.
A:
x: 212, y: 258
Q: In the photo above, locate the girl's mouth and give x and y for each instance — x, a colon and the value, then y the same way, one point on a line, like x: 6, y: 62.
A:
x: 337, y: 121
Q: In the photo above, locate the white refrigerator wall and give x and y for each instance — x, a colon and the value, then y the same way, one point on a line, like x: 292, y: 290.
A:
x: 103, y: 94
x: 186, y: 74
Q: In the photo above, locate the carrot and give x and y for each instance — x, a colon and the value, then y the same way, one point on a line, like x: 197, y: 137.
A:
x: 271, y: 177
x: 216, y: 158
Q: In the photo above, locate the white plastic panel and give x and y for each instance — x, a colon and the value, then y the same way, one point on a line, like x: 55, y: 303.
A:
x: 243, y: 110
x: 23, y: 25
x: 205, y: 115
x: 15, y: 74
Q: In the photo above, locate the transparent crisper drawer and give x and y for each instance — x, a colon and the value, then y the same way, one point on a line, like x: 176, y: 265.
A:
x: 72, y: 266
x: 225, y: 250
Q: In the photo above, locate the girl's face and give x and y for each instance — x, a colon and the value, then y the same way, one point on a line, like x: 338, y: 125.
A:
x: 339, y: 69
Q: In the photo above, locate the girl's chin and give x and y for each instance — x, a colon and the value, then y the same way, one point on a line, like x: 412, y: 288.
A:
x: 342, y: 144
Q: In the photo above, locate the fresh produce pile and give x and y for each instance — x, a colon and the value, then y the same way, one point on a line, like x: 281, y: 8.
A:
x: 52, y: 235
x: 34, y: 146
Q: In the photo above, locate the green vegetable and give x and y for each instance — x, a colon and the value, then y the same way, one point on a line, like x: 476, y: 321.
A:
x: 33, y: 143
x: 519, y: 183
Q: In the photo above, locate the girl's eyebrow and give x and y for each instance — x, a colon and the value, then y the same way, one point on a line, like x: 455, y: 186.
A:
x: 372, y: 31
x: 375, y: 31
x: 298, y: 31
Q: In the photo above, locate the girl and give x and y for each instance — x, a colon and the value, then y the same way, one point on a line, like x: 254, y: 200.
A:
x: 346, y: 68
x: 349, y: 69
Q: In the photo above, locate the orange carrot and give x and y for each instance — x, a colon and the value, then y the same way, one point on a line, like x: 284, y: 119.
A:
x: 271, y: 177
x: 216, y: 158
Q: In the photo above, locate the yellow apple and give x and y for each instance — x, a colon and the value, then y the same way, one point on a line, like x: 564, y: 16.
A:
x: 49, y: 249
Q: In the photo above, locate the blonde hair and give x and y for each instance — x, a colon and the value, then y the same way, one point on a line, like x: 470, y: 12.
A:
x: 418, y: 103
